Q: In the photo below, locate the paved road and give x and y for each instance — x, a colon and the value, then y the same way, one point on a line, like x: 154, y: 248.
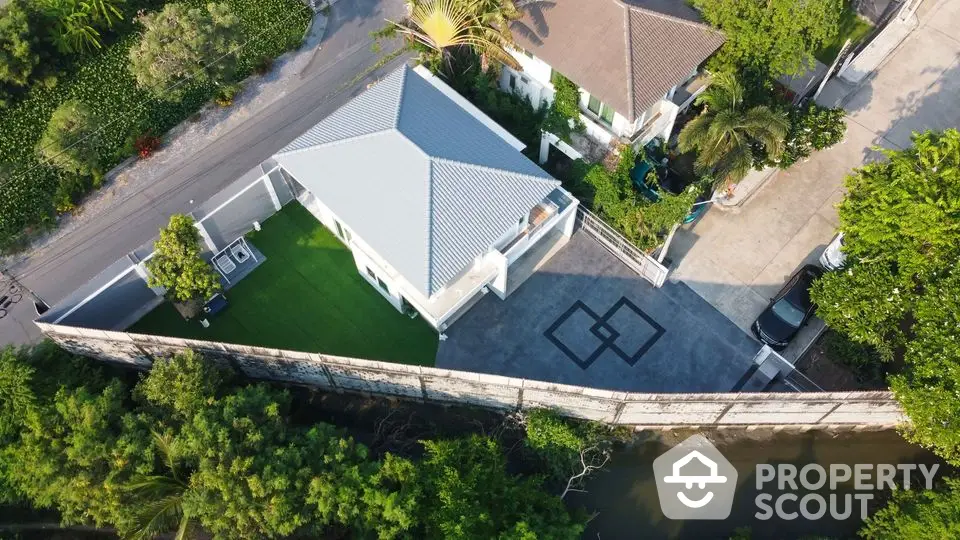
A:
x: 345, y: 53
x: 738, y: 260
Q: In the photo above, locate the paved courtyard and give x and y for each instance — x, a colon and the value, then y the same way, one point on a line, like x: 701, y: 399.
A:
x: 736, y: 260
x: 586, y: 319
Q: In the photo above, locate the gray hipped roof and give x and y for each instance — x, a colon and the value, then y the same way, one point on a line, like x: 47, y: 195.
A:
x: 628, y: 53
x: 426, y: 184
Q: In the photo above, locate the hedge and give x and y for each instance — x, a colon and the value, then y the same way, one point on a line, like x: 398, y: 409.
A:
x: 29, y: 194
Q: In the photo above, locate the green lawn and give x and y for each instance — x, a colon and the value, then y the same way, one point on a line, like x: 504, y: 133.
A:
x: 307, y: 296
x: 851, y: 27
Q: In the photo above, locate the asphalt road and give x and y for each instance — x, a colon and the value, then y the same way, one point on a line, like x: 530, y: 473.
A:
x: 325, y: 84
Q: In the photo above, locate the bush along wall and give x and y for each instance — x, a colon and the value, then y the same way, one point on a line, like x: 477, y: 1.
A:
x: 31, y: 192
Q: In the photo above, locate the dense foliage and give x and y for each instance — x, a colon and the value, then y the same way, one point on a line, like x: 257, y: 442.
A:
x: 729, y: 130
x: 917, y: 514
x: 900, y: 289
x: 770, y: 37
x: 71, y: 138
x: 183, y: 46
x: 76, y: 26
x: 177, y: 265
x: 17, y: 57
x: 190, y: 447
x: 812, y: 128
x: 612, y: 196
x: 563, y: 117
x: 103, y: 81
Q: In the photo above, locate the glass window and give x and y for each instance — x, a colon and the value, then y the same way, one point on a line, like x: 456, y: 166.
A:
x: 594, y: 105
x: 788, y: 313
x: 382, y: 285
x: 606, y: 114
x: 371, y: 273
x: 513, y: 81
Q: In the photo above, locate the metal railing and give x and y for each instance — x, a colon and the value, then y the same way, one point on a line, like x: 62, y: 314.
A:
x: 643, y: 264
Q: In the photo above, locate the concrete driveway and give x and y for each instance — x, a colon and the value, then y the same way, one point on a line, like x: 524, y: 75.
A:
x: 332, y: 77
x: 737, y: 259
x: 586, y: 319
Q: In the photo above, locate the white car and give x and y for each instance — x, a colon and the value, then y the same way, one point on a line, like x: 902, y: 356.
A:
x: 833, y: 258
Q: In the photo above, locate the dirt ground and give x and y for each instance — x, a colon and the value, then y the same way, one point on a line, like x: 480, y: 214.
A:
x: 832, y: 375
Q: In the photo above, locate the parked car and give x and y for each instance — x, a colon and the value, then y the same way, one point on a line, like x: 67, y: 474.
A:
x: 788, y: 311
x: 654, y: 160
x: 833, y: 257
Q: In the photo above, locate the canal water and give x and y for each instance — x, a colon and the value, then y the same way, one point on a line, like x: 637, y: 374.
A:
x: 624, y: 495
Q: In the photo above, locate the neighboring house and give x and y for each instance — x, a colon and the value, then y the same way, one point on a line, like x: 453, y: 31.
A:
x: 434, y: 199
x: 636, y: 61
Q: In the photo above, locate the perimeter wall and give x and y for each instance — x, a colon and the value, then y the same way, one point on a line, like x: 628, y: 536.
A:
x: 339, y: 374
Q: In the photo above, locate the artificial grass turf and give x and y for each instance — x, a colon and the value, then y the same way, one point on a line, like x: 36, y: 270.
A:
x: 851, y: 27
x: 307, y: 296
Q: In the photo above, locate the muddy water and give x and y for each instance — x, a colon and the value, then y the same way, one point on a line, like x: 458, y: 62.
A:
x: 625, y: 494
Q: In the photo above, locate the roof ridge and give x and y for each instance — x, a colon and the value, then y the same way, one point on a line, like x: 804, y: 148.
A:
x: 653, y: 13
x: 431, y: 226
x: 551, y: 180
x: 403, y: 88
x: 336, y: 142
x: 628, y: 45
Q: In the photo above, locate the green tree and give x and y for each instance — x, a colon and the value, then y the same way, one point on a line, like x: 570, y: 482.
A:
x: 184, y: 384
x: 468, y: 493
x: 177, y: 265
x: 17, y: 58
x: 917, y: 514
x: 900, y: 291
x: 811, y: 128
x: 772, y: 37
x: 71, y: 140
x: 725, y: 133
x: 159, y: 497
x: 75, y: 25
x: 184, y: 46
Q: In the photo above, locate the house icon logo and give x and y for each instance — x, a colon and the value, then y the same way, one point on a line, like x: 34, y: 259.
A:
x: 695, y: 481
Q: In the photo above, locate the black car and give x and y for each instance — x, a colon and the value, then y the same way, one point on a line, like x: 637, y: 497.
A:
x: 788, y: 311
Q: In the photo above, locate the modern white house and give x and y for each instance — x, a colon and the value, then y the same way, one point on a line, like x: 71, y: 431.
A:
x: 435, y: 200
x: 636, y: 62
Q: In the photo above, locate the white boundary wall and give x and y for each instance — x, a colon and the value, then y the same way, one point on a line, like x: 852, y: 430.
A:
x: 339, y: 374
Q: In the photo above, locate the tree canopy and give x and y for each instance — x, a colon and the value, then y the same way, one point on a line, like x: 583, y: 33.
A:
x: 71, y: 138
x: 900, y: 289
x: 177, y: 265
x: 918, y: 515
x: 192, y: 447
x: 17, y: 58
x: 182, y: 46
x: 773, y: 37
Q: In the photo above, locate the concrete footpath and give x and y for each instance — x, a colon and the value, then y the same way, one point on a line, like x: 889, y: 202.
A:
x: 738, y: 260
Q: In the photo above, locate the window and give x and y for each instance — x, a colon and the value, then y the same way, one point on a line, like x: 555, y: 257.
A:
x: 513, y: 81
x: 382, y: 285
x: 525, y: 52
x: 371, y: 273
x: 601, y: 110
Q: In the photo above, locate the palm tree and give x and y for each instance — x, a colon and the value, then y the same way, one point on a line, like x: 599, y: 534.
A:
x: 483, y: 25
x: 724, y: 134
x: 161, y: 497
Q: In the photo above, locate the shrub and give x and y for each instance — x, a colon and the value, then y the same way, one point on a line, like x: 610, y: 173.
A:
x: 71, y: 139
x: 74, y: 25
x: 811, y: 128
x: 184, y: 46
x: 263, y: 66
x: 226, y: 94
x: 146, y: 145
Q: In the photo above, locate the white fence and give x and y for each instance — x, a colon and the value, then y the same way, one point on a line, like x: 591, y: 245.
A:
x: 331, y: 373
x: 641, y: 263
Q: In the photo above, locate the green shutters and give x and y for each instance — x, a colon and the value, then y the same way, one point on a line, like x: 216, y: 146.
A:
x: 606, y: 114
x: 594, y: 105
x: 601, y: 110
